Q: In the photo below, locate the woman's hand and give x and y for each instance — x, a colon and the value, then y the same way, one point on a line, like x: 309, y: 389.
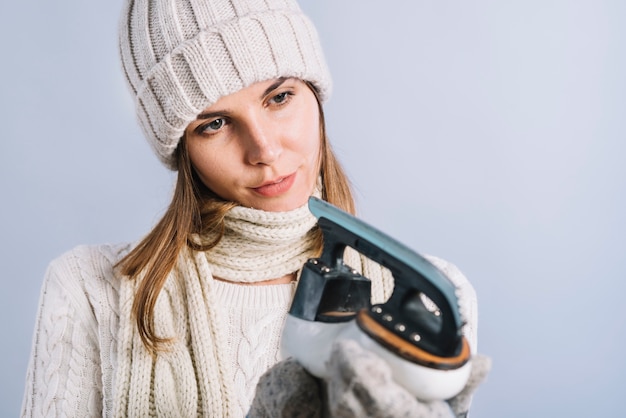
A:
x: 287, y: 390
x: 360, y: 385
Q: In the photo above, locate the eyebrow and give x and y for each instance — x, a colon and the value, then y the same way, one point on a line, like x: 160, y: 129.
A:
x: 210, y: 115
x: 272, y: 87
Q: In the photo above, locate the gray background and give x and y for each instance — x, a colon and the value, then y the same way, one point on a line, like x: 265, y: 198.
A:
x: 489, y: 133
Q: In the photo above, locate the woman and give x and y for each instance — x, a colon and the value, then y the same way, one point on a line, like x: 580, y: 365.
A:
x: 184, y: 322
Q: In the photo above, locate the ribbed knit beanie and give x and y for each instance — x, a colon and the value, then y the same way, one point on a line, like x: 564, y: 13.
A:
x: 180, y: 56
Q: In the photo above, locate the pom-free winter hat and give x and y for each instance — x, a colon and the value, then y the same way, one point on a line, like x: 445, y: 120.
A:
x: 181, y: 56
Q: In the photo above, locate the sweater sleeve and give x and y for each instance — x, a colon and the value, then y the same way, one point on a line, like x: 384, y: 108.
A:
x: 64, y: 374
x: 468, y: 302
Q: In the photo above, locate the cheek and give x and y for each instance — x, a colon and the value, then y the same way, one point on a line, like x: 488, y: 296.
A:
x: 304, y: 141
x: 315, y: 144
x: 309, y: 134
x: 314, y: 151
x: 209, y: 168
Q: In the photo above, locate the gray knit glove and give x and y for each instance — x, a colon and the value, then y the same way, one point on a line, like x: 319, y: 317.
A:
x: 287, y: 390
x: 360, y: 385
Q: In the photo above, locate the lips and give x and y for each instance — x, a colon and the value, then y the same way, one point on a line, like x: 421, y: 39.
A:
x: 276, y: 187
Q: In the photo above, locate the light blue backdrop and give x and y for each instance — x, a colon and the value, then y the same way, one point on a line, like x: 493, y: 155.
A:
x: 489, y: 133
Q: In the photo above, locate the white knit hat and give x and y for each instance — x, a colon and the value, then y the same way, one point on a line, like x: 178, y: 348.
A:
x: 181, y: 56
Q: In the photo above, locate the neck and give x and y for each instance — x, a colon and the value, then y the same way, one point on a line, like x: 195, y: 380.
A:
x: 262, y: 247
x: 286, y: 279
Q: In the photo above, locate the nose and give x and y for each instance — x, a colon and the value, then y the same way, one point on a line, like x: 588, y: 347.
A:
x: 262, y: 143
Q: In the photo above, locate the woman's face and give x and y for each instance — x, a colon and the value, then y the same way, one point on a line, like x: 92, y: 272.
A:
x: 260, y: 146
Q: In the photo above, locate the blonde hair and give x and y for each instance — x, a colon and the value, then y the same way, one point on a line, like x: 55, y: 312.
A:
x: 197, y: 210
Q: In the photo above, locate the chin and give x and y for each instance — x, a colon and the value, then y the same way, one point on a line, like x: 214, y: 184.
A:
x: 283, y: 203
x: 280, y: 205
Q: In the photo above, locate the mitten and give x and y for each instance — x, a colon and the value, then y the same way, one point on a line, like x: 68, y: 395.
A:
x: 287, y: 390
x: 359, y: 385
x: 481, y: 365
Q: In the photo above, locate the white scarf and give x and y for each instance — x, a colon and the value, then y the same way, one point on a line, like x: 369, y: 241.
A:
x: 259, y: 245
x: 191, y: 377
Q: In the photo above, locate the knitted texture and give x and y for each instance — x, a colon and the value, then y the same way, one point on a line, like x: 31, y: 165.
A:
x: 359, y: 385
x: 190, y: 377
x: 74, y: 351
x: 259, y: 245
x: 287, y: 390
x: 466, y: 296
x: 254, y: 318
x: 212, y: 364
x: 181, y: 56
x: 86, y: 355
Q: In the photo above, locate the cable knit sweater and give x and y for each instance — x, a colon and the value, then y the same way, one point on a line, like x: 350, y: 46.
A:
x: 75, y: 366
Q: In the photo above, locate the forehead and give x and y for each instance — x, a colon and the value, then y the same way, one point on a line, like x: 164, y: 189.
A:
x: 252, y: 93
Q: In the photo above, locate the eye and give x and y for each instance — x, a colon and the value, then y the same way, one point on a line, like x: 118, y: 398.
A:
x: 281, y: 98
x: 212, y: 127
